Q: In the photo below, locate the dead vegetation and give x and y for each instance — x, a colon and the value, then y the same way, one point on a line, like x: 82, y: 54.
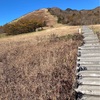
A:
x: 76, y: 17
x: 96, y: 29
x: 41, y: 70
x: 31, y: 22
x: 41, y: 13
x: 58, y: 29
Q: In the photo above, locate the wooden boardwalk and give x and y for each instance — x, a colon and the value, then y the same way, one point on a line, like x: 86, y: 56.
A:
x: 88, y: 67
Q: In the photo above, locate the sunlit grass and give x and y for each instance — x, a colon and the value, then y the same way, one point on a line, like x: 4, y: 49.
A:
x: 39, y: 66
x: 2, y: 35
x: 96, y: 29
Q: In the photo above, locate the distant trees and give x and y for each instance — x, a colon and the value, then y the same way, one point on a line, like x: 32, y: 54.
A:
x: 1, y: 29
x: 75, y: 17
x: 23, y: 26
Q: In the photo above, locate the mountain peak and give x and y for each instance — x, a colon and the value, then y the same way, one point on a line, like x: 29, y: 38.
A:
x: 68, y: 9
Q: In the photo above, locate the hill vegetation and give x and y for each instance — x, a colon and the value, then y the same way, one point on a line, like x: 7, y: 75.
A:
x: 1, y: 29
x: 29, y: 23
x: 24, y: 26
x: 75, y: 17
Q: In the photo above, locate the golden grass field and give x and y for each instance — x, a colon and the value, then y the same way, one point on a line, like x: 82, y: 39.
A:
x: 96, y: 29
x: 39, y: 66
x: 58, y: 30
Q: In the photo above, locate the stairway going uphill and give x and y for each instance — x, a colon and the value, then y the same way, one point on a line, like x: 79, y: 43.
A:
x: 88, y: 67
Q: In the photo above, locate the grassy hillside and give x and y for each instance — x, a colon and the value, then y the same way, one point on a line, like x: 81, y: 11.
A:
x: 39, y: 66
x: 41, y: 14
x: 30, y: 22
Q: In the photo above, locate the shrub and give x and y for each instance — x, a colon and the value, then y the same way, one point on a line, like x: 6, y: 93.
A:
x: 23, y: 26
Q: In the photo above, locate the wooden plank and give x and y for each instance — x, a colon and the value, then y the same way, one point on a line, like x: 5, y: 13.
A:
x: 89, y: 90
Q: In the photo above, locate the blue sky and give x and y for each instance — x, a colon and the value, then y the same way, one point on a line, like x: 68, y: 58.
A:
x: 12, y: 9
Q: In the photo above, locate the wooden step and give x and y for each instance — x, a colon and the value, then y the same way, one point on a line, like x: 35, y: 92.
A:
x: 89, y: 90
x: 88, y: 68
x: 95, y: 74
x: 91, y: 44
x: 87, y: 65
x: 89, y: 97
x: 90, y: 54
x: 89, y: 48
x: 89, y: 58
x: 88, y: 62
x: 91, y: 41
x: 90, y: 51
x: 90, y: 38
x: 89, y: 81
x: 98, y: 57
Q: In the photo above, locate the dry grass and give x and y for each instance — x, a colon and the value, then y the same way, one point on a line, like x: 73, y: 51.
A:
x: 42, y: 13
x: 40, y: 70
x: 96, y: 29
x: 58, y: 29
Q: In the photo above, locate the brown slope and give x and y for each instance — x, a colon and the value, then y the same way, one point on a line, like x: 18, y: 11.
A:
x: 40, y: 14
x: 30, y: 22
x: 75, y: 17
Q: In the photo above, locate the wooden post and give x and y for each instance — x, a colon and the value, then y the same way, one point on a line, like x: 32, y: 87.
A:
x: 79, y: 31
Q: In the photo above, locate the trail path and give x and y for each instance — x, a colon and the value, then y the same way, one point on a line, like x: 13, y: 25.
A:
x: 88, y: 67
